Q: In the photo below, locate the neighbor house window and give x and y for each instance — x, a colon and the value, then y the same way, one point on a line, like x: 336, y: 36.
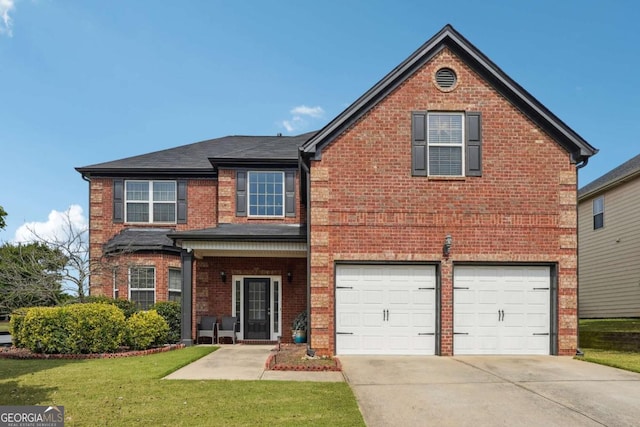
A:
x: 598, y: 212
x: 445, y: 144
x: 175, y: 284
x: 150, y: 201
x: 142, y: 286
x: 266, y: 194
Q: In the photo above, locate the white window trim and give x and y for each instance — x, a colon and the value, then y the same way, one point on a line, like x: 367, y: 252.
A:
x: 273, y: 334
x: 169, y: 289
x: 155, y: 282
x: 462, y: 145
x: 150, y: 202
x: 593, y: 216
x: 249, y: 194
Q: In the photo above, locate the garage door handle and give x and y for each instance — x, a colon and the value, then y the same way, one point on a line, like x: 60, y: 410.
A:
x: 344, y: 333
x: 344, y: 287
x: 540, y: 289
x: 427, y: 333
x: 546, y: 333
x: 460, y: 287
x: 461, y: 333
x: 426, y: 289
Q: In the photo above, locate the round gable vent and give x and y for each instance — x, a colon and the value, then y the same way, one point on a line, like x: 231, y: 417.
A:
x: 446, y: 78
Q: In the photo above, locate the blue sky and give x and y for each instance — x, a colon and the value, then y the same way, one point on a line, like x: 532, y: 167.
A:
x: 89, y: 81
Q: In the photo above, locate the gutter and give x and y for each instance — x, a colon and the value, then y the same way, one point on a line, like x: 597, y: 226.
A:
x: 303, y: 166
x: 88, y: 179
x: 583, y: 163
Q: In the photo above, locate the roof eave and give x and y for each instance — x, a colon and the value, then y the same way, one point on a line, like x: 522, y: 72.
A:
x: 449, y: 37
x: 608, y: 185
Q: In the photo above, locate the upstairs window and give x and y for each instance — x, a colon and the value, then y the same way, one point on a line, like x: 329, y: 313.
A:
x: 150, y: 201
x: 266, y: 194
x: 446, y: 144
x: 598, y: 212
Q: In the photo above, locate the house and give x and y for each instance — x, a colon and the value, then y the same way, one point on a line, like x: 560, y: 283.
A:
x: 435, y: 215
x: 609, y: 243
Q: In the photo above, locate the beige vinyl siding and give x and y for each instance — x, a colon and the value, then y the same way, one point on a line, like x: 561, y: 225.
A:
x: 609, y: 257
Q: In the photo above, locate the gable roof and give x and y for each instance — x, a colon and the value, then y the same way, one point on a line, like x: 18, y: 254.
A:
x: 621, y: 174
x: 448, y: 37
x: 197, y: 158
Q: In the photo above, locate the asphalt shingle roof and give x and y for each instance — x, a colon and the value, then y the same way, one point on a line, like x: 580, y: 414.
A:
x: 136, y: 239
x: 627, y: 169
x: 196, y: 156
x: 252, y: 232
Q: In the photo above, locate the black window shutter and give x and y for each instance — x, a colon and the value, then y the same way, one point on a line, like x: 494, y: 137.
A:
x: 474, y: 144
x: 118, y: 200
x: 419, y: 144
x: 241, y: 193
x: 290, y: 193
x: 182, y: 202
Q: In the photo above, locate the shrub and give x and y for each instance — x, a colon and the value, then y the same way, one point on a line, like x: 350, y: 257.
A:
x: 127, y: 307
x: 146, y: 329
x: 73, y: 329
x: 95, y: 328
x: 172, y: 314
x: 44, y: 330
x: 15, y: 326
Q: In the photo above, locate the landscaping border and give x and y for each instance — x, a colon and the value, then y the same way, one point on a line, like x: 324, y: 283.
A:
x: 20, y: 353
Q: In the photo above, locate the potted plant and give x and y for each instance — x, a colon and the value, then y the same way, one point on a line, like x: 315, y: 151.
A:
x: 299, y: 328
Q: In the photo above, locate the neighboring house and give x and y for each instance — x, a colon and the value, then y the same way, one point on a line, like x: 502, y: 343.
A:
x: 609, y: 243
x: 435, y: 215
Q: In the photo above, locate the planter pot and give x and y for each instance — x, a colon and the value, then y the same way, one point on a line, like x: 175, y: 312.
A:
x: 299, y: 337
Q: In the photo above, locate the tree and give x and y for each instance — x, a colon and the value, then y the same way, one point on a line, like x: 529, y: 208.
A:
x: 3, y: 214
x: 30, y: 275
x: 71, y: 242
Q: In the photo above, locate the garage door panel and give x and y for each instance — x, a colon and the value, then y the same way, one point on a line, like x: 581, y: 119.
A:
x: 391, y: 309
x: 502, y: 310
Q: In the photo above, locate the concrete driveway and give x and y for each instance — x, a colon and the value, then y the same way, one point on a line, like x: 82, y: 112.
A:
x: 491, y: 391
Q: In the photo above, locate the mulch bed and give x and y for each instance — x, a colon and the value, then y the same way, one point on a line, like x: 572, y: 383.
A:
x: 23, y: 353
x: 293, y: 357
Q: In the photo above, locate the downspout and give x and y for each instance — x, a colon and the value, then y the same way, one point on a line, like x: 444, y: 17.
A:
x: 580, y: 165
x: 84, y: 177
x: 310, y: 351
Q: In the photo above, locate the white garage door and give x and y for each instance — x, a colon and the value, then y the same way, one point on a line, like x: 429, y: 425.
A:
x: 385, y: 309
x: 501, y: 310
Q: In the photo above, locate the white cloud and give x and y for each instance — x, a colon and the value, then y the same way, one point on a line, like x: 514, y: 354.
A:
x: 6, y: 6
x: 54, y: 228
x: 303, y: 110
x: 301, y: 116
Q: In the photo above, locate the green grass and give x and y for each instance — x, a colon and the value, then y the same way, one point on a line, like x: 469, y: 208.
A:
x: 4, y: 326
x: 617, y: 359
x: 610, y: 325
x: 131, y: 392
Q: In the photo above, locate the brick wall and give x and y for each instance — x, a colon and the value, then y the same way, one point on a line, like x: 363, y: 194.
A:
x: 366, y: 205
x: 201, y: 213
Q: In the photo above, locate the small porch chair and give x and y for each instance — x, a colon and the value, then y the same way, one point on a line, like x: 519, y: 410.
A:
x: 227, y: 328
x: 207, y: 328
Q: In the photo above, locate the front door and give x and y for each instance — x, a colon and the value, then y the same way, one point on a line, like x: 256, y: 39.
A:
x: 257, y: 315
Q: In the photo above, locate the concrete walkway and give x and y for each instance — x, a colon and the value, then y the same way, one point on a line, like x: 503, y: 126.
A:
x: 491, y: 391
x: 245, y: 362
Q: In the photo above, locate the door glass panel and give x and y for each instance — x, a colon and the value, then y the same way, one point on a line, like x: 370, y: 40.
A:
x: 257, y: 299
x: 238, y: 302
x: 276, y: 307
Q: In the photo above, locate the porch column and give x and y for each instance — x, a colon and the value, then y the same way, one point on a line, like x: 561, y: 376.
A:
x: 187, y: 301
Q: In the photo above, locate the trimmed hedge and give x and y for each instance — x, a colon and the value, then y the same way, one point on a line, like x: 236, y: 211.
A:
x: 15, y: 326
x: 127, y: 307
x: 172, y: 314
x: 146, y: 329
x: 73, y: 329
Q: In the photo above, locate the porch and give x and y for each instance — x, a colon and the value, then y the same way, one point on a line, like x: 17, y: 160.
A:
x: 254, y: 272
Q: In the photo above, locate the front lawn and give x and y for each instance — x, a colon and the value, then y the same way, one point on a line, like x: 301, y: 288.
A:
x: 131, y: 392
x: 610, y: 325
x: 617, y: 359
x: 4, y: 326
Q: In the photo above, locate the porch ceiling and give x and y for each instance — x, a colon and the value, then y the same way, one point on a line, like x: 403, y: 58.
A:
x: 246, y: 249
